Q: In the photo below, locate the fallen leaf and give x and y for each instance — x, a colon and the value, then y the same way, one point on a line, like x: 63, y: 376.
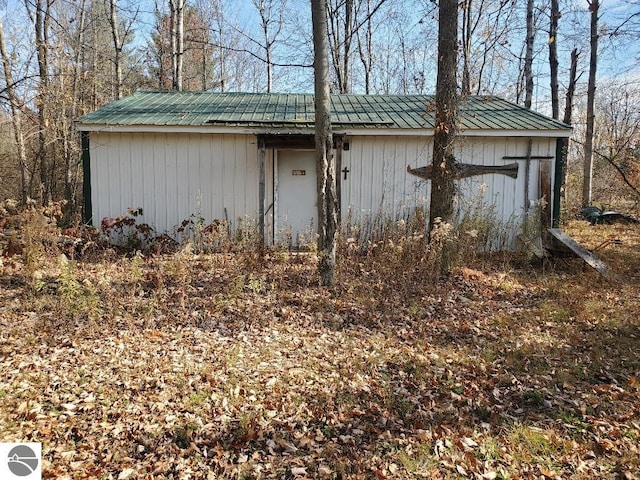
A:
x: 126, y: 473
x: 299, y: 471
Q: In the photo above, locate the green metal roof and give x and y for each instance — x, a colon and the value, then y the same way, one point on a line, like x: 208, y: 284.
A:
x: 296, y: 112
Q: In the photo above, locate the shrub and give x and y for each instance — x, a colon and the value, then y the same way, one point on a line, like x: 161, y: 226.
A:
x: 126, y: 233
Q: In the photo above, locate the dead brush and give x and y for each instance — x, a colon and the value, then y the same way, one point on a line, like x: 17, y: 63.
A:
x: 385, y: 253
x: 399, y: 255
x: 78, y: 299
x: 37, y: 233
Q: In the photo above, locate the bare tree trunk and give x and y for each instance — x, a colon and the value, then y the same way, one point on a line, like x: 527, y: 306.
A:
x: 267, y: 10
x: 528, y: 59
x: 568, y: 113
x: 16, y: 118
x: 341, y: 32
x: 571, y: 89
x: 442, y: 183
x: 173, y: 40
x: 176, y: 19
x: 365, y: 49
x: 117, y: 48
x: 348, y: 36
x: 94, y: 68
x: 467, y: 32
x: 71, y: 159
x: 594, y: 7
x: 337, y: 42
x: 269, y: 70
x: 325, y: 167
x: 42, y: 21
x: 553, y: 58
x: 222, y: 61
x: 180, y: 51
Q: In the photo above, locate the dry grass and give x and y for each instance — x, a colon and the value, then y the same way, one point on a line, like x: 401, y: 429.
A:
x: 237, y: 366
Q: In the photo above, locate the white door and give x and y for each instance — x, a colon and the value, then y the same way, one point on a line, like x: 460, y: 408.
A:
x: 296, y: 198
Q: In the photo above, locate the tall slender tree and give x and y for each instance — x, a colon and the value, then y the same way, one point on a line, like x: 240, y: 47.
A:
x: 341, y: 17
x: 553, y: 58
x: 594, y: 8
x: 528, y: 58
x: 446, y: 108
x: 40, y: 13
x: 365, y: 48
x: 198, y: 64
x: 486, y: 30
x: 468, y: 27
x: 176, y: 9
x: 117, y: 47
x: 325, y: 166
x: 16, y: 116
x: 271, y: 23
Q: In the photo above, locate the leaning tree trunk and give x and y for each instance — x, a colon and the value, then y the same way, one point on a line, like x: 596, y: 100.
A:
x: 325, y: 168
x: 571, y: 89
x: 594, y: 6
x: 442, y: 184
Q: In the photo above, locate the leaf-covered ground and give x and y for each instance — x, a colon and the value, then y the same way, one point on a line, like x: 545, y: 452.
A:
x: 230, y: 366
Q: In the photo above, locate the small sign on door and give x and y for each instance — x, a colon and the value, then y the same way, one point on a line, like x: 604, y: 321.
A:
x: 298, y: 172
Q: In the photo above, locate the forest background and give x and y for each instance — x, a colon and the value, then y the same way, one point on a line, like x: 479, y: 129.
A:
x: 64, y: 58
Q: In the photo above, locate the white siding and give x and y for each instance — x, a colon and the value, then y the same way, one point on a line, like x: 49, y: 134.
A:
x: 172, y: 176
x: 378, y: 182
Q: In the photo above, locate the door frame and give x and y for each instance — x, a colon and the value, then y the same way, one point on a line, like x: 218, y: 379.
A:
x: 290, y: 141
x: 276, y: 187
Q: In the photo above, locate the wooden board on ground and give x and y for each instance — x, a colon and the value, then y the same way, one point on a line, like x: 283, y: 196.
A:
x: 589, y: 258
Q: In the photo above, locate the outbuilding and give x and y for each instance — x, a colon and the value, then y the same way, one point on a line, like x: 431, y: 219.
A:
x: 239, y: 157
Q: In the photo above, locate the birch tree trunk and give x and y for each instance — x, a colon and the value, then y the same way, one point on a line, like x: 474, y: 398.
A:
x: 176, y: 19
x: 594, y: 7
x: 180, y: 41
x: 442, y: 183
x: 325, y: 167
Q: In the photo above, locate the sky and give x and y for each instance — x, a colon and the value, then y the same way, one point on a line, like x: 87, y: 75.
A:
x: 615, y: 60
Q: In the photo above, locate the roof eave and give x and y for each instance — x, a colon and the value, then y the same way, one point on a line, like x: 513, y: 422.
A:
x: 353, y: 131
x: 559, y: 133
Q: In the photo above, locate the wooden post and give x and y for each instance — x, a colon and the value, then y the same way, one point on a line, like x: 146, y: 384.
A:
x: 261, y: 190
x: 86, y: 179
x: 337, y: 143
x: 527, y: 178
x: 545, y: 194
x: 561, y: 146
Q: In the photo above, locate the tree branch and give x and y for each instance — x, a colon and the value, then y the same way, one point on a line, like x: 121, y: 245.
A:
x: 611, y: 161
